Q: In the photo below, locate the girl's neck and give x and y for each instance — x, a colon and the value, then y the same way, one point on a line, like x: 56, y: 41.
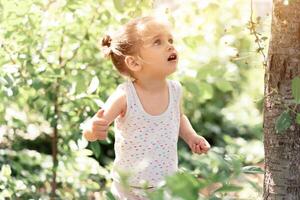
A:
x: 151, y: 85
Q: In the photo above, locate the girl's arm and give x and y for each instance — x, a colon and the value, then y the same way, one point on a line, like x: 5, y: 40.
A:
x: 114, y: 106
x: 97, y: 126
x: 186, y: 130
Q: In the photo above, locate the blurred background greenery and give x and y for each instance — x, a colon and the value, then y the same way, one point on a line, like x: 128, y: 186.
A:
x: 53, y: 77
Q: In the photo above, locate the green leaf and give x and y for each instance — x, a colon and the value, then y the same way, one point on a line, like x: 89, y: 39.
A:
x: 224, y: 85
x: 80, y: 83
x: 264, y: 38
x: 5, y: 170
x: 252, y: 170
x: 192, y: 41
x: 296, y: 89
x: 37, y: 84
x: 107, y: 14
x: 156, y: 195
x: 192, y: 87
x: 298, y: 118
x: 96, y: 148
x: 82, y: 143
x: 53, y: 122
x: 84, y: 152
x: 222, y: 175
x: 9, y: 79
x: 206, y: 91
x: 3, y: 81
x: 283, y: 122
x: 8, y: 34
x: 109, y: 196
x: 229, y: 188
x: 93, y: 85
x: 235, y: 162
x: 118, y: 5
x: 183, y: 185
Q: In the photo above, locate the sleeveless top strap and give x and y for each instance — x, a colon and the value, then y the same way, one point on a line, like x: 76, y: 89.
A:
x: 133, y: 100
x: 129, y: 97
x: 177, y: 91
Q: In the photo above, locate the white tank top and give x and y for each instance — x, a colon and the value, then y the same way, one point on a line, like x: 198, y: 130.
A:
x: 146, y: 145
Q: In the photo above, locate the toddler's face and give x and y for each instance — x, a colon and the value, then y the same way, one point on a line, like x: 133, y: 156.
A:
x: 159, y: 56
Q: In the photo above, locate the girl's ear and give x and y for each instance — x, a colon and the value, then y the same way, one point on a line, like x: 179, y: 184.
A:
x: 132, y: 63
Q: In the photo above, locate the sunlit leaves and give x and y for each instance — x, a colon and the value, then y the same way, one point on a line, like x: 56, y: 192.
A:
x: 206, y: 91
x: 82, y: 143
x: 8, y: 79
x: 183, y: 185
x: 192, y: 41
x: 5, y: 171
x: 156, y: 195
x: 110, y: 196
x: 224, y: 85
x: 80, y: 83
x: 228, y: 188
x: 118, y: 5
x: 96, y: 148
x: 252, y: 170
x: 58, y: 30
x: 93, y: 85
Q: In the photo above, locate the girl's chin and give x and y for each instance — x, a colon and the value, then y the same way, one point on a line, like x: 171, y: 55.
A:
x: 173, y: 62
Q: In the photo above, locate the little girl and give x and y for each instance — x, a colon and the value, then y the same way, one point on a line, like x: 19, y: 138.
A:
x: 145, y: 109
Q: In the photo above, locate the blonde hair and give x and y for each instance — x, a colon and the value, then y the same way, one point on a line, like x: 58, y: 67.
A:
x: 126, y: 41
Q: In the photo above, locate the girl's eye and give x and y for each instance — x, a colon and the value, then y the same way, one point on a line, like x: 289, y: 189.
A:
x: 157, y: 41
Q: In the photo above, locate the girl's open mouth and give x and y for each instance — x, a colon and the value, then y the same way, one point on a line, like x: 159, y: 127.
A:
x: 172, y: 57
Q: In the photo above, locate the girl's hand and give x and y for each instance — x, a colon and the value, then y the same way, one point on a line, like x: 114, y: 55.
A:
x: 198, y: 144
x: 99, y: 126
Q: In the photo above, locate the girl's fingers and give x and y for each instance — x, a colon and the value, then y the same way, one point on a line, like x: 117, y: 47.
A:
x: 198, y: 149
x: 204, y: 144
x: 100, y: 122
x: 203, y: 147
x: 102, y: 134
x: 193, y: 148
x: 101, y: 137
x: 207, y: 144
x: 99, y: 128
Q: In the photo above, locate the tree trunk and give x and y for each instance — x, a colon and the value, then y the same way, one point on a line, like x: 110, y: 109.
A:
x: 282, y: 150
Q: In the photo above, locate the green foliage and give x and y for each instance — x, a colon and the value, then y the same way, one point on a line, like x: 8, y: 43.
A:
x: 110, y: 196
x: 52, y: 75
x: 229, y: 188
x: 96, y: 148
x: 183, y: 185
x: 252, y: 170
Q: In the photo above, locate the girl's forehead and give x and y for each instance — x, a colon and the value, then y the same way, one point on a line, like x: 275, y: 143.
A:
x: 152, y: 29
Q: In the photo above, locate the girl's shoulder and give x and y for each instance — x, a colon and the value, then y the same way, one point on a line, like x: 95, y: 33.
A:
x: 175, y: 82
x: 177, y: 85
x: 121, y: 97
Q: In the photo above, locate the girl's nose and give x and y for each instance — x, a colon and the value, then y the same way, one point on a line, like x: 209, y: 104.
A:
x: 170, y: 47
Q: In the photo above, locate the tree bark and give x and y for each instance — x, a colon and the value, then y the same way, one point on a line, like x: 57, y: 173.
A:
x: 282, y: 151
